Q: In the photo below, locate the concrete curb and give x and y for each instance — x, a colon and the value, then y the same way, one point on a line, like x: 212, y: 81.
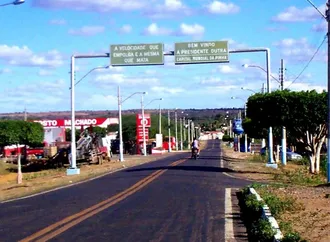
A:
x: 267, y: 215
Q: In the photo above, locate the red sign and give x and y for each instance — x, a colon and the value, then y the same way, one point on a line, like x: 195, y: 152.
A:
x: 147, y: 120
x: 139, y: 134
x: 79, y: 122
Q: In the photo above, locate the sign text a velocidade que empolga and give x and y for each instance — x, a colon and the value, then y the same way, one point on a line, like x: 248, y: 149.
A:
x: 137, y: 54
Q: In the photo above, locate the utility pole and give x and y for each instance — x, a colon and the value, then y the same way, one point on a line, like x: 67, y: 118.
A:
x: 25, y: 114
x: 282, y: 73
x: 169, y: 131
x: 176, y: 129
x: 327, y: 13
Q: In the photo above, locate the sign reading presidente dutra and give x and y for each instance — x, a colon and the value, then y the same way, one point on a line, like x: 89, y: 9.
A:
x: 201, y: 52
x: 137, y: 54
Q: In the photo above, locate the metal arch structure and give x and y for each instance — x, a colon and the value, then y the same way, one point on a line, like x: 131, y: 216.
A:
x: 73, y: 168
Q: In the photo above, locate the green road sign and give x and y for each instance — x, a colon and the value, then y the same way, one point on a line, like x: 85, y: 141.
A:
x: 137, y: 54
x: 201, y: 52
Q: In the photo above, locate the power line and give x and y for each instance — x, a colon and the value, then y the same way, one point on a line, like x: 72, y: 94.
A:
x: 311, y: 59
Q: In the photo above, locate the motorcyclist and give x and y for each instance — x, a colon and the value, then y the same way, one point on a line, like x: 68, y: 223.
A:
x: 194, y: 145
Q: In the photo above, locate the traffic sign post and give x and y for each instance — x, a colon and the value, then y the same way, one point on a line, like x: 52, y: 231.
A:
x: 137, y: 54
x: 201, y: 52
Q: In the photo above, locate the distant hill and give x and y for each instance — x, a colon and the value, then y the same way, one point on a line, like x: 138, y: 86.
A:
x: 195, y: 114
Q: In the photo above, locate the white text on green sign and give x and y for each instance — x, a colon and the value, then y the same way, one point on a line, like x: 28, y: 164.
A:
x: 136, y: 54
x: 201, y: 52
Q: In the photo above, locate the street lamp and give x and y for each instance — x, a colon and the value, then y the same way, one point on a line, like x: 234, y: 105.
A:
x: 270, y: 130
x: 96, y: 68
x: 160, y: 113
x: 16, y: 2
x: 247, y: 89
x: 120, y: 102
x: 261, y: 68
x: 73, y: 167
x: 176, y: 129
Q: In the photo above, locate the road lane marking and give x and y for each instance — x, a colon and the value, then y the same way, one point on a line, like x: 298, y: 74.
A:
x: 229, y: 224
x: 51, y: 231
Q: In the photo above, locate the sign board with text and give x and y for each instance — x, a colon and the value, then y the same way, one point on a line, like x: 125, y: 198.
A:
x: 137, y: 54
x: 147, y: 120
x: 201, y: 52
x: 102, y: 122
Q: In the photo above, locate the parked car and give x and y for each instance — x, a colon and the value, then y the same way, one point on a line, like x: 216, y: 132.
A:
x: 290, y: 155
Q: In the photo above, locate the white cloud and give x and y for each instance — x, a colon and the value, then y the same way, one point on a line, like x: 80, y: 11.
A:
x: 322, y: 27
x: 304, y: 87
x: 228, y: 69
x: 58, y: 22
x: 43, y: 93
x: 192, y: 30
x: 99, y: 101
x: 125, y: 29
x: 108, y: 80
x: 183, y: 30
x: 154, y: 29
x: 298, y: 50
x: 232, y: 44
x: 93, y: 6
x: 87, y: 30
x: 168, y: 90
x: 170, y: 9
x: 294, y: 14
x: 218, y: 7
x: 5, y: 71
x: 44, y: 72
x: 23, y: 56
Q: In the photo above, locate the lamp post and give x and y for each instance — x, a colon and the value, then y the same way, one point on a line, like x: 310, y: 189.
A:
x: 120, y: 102
x: 160, y: 113
x: 96, y: 68
x: 247, y: 89
x: 169, y: 131
x: 176, y: 129
x: 16, y: 2
x: 156, y: 99
x: 181, y: 143
x: 73, y: 170
x: 271, y: 162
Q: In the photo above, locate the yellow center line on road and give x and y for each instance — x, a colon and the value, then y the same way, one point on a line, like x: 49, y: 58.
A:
x: 51, y: 231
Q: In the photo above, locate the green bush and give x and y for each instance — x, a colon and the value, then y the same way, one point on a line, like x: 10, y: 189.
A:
x: 293, y: 237
x: 262, y: 231
x: 258, y: 229
x: 277, y: 205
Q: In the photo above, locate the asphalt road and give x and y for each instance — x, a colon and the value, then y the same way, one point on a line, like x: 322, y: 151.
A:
x: 172, y: 199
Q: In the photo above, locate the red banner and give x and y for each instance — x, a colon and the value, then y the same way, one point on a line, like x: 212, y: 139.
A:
x: 78, y: 122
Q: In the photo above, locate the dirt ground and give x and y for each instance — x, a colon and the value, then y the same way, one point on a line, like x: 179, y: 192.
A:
x: 34, y: 182
x: 312, y: 218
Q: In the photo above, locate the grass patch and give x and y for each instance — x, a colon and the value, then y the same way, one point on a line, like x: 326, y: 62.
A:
x: 299, y: 176
x: 258, y: 159
x: 45, y: 173
x: 258, y: 228
x: 5, y: 168
x: 278, y: 205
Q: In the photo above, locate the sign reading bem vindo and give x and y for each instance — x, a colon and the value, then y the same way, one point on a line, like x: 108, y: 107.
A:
x: 137, y: 54
x: 201, y: 52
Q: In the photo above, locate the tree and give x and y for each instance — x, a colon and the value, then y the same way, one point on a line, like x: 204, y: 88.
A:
x: 302, y: 113
x: 21, y: 132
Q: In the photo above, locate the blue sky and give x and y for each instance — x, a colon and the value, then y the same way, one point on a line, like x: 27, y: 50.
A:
x: 39, y: 36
